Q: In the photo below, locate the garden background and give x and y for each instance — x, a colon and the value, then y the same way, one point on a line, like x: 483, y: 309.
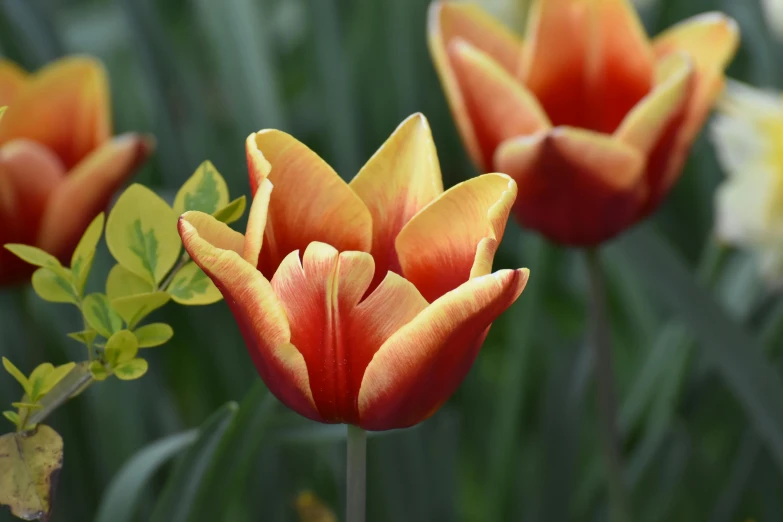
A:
x: 697, y: 336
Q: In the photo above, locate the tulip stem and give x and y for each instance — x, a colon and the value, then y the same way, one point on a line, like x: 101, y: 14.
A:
x: 600, y: 339
x: 357, y: 471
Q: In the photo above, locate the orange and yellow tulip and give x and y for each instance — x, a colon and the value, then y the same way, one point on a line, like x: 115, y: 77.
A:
x: 591, y: 119
x: 369, y: 301
x: 59, y: 165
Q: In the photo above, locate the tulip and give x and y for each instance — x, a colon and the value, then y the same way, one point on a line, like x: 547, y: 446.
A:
x: 59, y: 165
x: 369, y: 301
x: 747, y: 134
x: 591, y: 119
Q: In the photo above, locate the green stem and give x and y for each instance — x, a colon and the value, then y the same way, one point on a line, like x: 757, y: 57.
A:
x: 184, y: 258
x: 604, y: 378
x: 73, y: 384
x: 357, y: 471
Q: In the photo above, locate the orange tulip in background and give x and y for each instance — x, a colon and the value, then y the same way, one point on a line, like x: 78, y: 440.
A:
x: 589, y: 117
x: 59, y: 165
x: 369, y: 301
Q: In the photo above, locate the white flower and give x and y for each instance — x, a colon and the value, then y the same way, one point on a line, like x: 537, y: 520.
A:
x: 748, y: 136
x: 773, y: 11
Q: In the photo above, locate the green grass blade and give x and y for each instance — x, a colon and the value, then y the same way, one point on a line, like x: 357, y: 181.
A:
x: 505, y: 433
x: 336, y: 82
x: 179, y: 496
x: 736, y: 355
x: 235, y: 456
x: 122, y: 495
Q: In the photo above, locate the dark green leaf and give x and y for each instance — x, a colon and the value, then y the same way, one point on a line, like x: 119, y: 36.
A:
x: 180, y: 494
x: 126, y: 488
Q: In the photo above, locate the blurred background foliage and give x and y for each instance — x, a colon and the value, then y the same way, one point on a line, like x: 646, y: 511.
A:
x: 697, y: 337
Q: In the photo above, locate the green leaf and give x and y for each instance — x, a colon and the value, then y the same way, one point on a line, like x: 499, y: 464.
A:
x: 100, y: 315
x: 86, y: 337
x: 133, y: 309
x: 205, y: 191
x: 735, y: 355
x: 136, y: 307
x: 29, y: 465
x: 191, y: 286
x: 99, y: 371
x: 119, y: 503
x: 28, y: 405
x: 120, y: 348
x: 57, y: 374
x: 123, y: 283
x: 181, y: 490
x: 131, y: 370
x: 69, y: 386
x: 36, y: 256
x: 81, y: 260
x: 141, y: 233
x: 12, y: 416
x: 231, y: 212
x: 37, y: 379
x: 17, y: 374
x: 52, y: 287
x: 153, y: 334
x: 232, y: 463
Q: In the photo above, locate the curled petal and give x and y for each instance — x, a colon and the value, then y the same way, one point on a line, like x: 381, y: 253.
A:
x: 311, y: 202
x: 646, y: 123
x: 88, y: 189
x: 576, y: 187
x: 12, y: 79
x: 498, y: 105
x: 259, y: 314
x: 396, y: 183
x: 256, y: 222
x: 710, y: 39
x: 64, y: 106
x: 456, y: 236
x: 588, y: 62
x: 451, y: 20
x: 418, y: 368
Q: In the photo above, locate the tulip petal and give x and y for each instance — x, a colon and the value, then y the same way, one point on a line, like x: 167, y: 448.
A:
x: 87, y: 190
x: 576, y: 187
x: 498, y: 105
x: 318, y: 295
x: 422, y: 364
x: 64, y: 106
x: 256, y: 222
x: 258, y: 312
x: 29, y: 174
x: 710, y: 39
x: 588, y: 63
x: 311, y: 202
x: 646, y: 123
x: 456, y: 236
x: 12, y: 79
x: 336, y: 334
x: 448, y: 21
x: 396, y: 183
